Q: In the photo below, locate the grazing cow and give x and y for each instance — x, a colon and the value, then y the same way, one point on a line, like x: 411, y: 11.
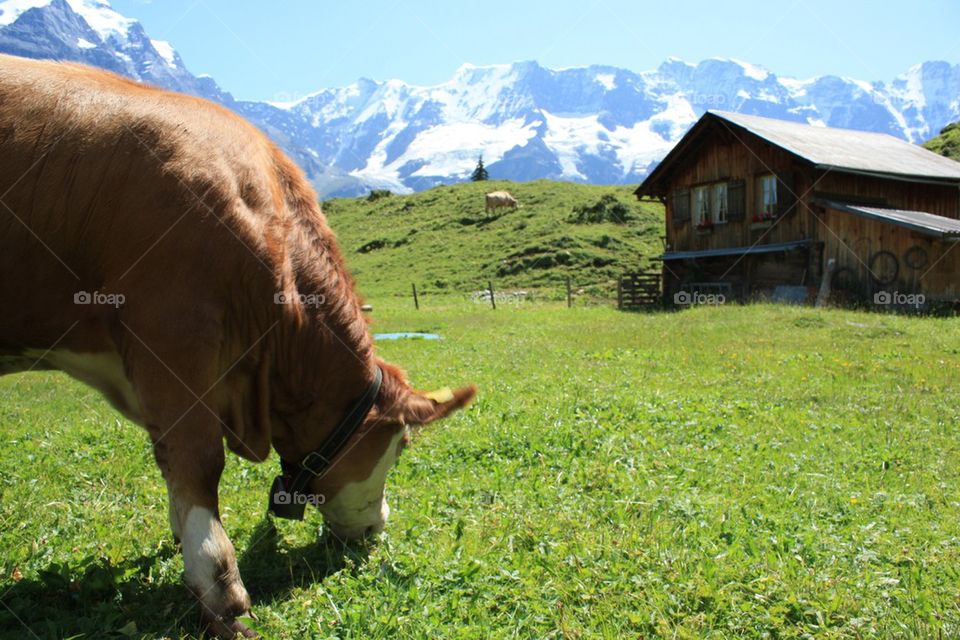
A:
x: 162, y: 250
x: 499, y: 199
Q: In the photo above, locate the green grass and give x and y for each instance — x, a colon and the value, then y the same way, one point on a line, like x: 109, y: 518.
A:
x: 444, y: 241
x: 746, y: 472
x: 947, y: 143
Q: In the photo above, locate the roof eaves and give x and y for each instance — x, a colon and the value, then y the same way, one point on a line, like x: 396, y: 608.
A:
x: 739, y: 251
x: 903, y: 177
x: 906, y: 224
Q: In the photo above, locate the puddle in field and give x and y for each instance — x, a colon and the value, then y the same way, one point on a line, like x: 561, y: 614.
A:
x: 401, y: 335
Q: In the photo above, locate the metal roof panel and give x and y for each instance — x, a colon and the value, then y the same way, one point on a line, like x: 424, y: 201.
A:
x: 920, y: 221
x: 847, y: 149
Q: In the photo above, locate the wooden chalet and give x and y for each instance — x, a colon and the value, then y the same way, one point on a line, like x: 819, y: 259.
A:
x: 756, y: 207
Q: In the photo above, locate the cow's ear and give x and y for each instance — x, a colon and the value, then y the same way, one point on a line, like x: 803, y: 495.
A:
x: 424, y: 408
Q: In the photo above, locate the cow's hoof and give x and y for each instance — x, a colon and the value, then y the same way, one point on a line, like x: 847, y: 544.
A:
x: 220, y: 613
x: 228, y: 629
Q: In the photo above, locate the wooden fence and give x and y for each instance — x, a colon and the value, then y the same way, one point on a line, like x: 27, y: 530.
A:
x: 639, y: 290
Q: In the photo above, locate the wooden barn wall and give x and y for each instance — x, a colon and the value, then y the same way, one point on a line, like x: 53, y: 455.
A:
x: 936, y: 199
x: 750, y: 276
x: 853, y: 240
x: 724, y: 157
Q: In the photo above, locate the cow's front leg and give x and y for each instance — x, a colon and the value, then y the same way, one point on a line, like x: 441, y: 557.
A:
x: 209, y: 560
x: 174, y: 374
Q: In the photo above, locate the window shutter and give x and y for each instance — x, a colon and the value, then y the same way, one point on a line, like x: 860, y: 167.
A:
x: 736, y: 200
x: 681, y: 206
x: 786, y: 193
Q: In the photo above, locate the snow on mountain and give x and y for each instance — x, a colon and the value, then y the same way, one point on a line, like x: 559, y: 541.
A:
x: 593, y: 124
x: 596, y: 124
x: 90, y: 31
x: 97, y: 13
x: 165, y: 49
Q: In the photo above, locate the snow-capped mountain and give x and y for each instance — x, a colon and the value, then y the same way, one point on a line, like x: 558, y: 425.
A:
x: 90, y: 31
x: 594, y: 124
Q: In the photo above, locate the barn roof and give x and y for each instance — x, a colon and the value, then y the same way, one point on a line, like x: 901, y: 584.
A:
x: 842, y: 150
x: 846, y: 149
x: 919, y: 221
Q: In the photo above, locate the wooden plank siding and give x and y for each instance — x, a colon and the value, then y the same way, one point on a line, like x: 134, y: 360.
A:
x: 853, y: 240
x: 749, y: 276
x: 729, y: 159
x: 941, y: 200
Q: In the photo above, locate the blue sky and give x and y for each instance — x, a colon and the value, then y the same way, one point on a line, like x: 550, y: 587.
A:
x: 284, y: 49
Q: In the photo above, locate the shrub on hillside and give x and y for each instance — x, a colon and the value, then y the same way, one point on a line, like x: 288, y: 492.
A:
x: 606, y: 209
x: 377, y: 194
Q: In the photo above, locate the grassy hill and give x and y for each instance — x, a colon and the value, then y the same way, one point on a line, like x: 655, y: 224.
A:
x: 947, y: 143
x: 446, y: 242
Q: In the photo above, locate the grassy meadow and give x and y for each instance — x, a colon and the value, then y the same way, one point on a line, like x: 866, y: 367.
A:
x: 754, y: 472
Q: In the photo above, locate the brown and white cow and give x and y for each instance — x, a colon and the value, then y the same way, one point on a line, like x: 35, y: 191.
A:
x: 499, y: 199
x: 162, y: 250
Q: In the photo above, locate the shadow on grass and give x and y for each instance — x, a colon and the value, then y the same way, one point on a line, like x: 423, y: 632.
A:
x: 272, y: 570
x: 95, y: 598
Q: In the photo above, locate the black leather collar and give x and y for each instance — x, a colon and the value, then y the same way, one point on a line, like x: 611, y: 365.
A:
x: 288, y: 498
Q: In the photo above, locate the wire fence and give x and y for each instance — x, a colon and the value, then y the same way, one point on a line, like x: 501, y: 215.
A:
x: 571, y: 292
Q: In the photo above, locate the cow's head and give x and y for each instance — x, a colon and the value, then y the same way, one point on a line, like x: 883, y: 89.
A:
x: 353, y: 502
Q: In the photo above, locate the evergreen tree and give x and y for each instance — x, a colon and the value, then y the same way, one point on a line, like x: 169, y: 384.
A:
x: 480, y: 173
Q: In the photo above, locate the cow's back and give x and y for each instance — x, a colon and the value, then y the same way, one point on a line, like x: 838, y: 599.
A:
x: 108, y: 185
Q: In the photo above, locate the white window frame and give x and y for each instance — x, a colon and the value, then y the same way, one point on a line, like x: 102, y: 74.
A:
x: 719, y: 203
x: 701, y: 204
x: 767, y: 195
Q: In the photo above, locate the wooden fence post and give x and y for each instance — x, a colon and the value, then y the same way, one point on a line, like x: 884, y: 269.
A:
x: 620, y: 292
x: 569, y: 294
x: 416, y: 301
x: 493, y: 298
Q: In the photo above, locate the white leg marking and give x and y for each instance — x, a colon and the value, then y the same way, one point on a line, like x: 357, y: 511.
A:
x: 210, y: 564
x: 205, y: 547
x: 174, y: 516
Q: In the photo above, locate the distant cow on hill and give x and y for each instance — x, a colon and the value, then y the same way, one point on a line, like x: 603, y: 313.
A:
x: 498, y: 199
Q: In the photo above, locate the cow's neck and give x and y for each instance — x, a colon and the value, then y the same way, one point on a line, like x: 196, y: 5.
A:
x: 325, y: 352
x: 325, y: 365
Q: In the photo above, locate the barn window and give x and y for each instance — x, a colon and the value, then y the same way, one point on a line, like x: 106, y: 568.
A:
x: 718, y: 202
x: 701, y: 205
x: 767, y: 196
x: 681, y: 206
x: 736, y: 200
